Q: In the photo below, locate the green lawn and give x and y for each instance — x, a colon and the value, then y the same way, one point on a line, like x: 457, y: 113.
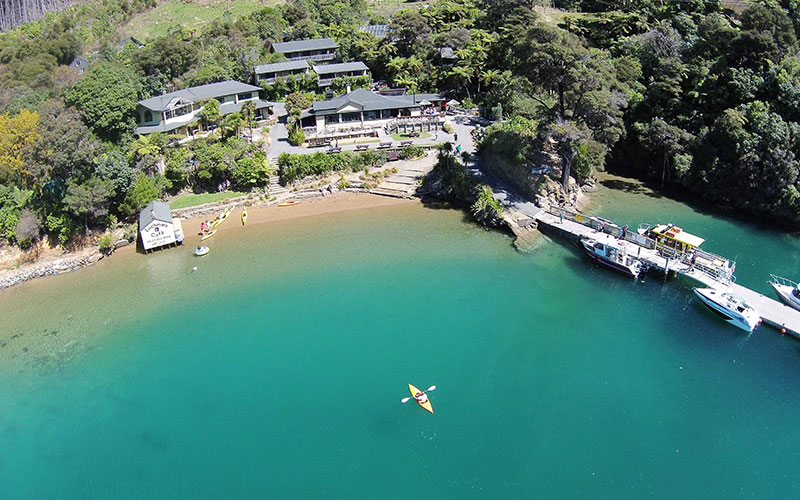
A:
x: 405, y: 137
x: 192, y: 14
x: 191, y: 199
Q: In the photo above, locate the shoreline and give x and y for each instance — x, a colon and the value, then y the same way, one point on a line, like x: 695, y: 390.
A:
x: 258, y: 214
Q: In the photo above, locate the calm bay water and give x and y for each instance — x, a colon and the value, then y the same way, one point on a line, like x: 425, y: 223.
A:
x: 277, y: 368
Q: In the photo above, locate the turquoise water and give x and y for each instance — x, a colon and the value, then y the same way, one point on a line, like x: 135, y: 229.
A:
x: 277, y: 368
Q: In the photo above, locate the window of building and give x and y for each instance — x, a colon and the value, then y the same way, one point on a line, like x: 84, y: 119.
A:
x: 332, y: 119
x: 148, y: 115
x: 371, y: 115
x: 245, y: 96
x: 351, y: 117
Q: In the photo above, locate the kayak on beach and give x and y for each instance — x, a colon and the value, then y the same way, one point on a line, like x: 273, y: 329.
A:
x: 420, y: 397
x: 222, y: 217
x: 289, y: 203
x: 244, y: 215
x: 208, y: 235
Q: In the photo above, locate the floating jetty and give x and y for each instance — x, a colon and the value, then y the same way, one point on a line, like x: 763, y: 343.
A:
x: 706, y: 268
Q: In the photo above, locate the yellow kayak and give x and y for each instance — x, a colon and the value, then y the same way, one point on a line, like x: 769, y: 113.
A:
x: 208, y: 235
x: 244, y: 216
x: 426, y: 403
x: 222, y: 218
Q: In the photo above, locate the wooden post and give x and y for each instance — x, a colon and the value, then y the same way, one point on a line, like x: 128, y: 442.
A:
x: 666, y: 269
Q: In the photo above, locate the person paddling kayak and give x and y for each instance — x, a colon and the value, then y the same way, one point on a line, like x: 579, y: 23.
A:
x: 421, y: 397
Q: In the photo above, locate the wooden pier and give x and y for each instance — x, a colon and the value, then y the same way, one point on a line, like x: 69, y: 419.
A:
x: 575, y: 226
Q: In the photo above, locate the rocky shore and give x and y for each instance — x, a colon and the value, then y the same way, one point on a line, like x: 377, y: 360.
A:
x: 66, y: 264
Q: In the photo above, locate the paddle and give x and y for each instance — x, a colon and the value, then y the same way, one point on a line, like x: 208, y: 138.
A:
x: 406, y: 400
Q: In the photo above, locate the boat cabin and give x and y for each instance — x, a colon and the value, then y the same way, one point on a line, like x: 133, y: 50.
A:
x: 671, y: 236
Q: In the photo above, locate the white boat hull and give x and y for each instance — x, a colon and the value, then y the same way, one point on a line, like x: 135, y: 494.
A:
x: 730, y: 308
x: 785, y: 293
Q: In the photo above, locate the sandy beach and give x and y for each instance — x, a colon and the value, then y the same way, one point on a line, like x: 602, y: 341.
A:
x: 264, y: 214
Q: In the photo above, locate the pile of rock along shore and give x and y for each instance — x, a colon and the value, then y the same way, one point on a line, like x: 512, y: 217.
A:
x: 51, y: 268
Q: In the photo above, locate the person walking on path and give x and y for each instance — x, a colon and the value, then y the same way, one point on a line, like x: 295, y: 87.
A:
x: 455, y: 137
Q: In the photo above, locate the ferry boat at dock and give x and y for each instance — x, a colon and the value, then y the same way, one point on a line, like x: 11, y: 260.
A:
x: 612, y: 253
x: 729, y: 307
x: 674, y: 243
x: 787, y: 290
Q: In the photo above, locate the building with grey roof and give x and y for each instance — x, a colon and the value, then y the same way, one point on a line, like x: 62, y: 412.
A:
x: 178, y: 111
x: 269, y: 73
x: 317, y: 49
x: 328, y: 72
x: 80, y: 63
x: 157, y: 228
x: 364, y: 108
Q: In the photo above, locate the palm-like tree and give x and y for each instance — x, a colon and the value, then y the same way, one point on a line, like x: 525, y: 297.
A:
x: 464, y: 74
x: 248, y: 112
x: 144, y: 145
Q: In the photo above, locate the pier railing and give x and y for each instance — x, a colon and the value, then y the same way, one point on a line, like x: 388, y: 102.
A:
x: 711, y: 265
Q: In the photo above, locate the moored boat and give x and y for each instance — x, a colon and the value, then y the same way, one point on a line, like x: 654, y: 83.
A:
x: 425, y: 402
x: 613, y: 253
x: 729, y: 307
x: 787, y: 290
x: 200, y: 251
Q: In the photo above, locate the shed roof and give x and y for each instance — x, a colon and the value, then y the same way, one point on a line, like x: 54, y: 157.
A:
x: 282, y: 66
x: 155, y: 210
x: 193, y: 94
x: 301, y: 45
x: 376, y: 30
x: 328, y: 69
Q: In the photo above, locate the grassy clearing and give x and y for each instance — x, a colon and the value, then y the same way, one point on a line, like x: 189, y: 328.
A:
x: 192, y: 14
x: 406, y: 137
x: 191, y: 199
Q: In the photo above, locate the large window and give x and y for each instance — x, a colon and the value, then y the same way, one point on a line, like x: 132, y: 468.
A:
x: 148, y: 115
x: 245, y: 96
x: 371, y: 115
x: 351, y: 117
x: 332, y: 119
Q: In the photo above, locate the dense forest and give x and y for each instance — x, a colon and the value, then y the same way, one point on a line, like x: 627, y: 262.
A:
x: 690, y: 94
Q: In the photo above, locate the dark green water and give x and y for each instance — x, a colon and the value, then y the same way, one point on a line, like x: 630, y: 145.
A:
x: 276, y: 370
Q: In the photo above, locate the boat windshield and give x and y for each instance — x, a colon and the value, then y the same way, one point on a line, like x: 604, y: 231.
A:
x: 796, y: 293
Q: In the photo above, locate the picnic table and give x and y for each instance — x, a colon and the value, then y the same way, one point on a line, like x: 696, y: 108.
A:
x: 335, y: 149
x: 392, y: 156
x: 406, y: 143
x: 385, y: 145
x: 362, y: 147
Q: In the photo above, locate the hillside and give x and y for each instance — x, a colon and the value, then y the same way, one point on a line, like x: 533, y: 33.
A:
x: 192, y: 14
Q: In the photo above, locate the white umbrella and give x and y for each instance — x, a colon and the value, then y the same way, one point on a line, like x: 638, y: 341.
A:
x: 453, y: 102
x: 425, y: 102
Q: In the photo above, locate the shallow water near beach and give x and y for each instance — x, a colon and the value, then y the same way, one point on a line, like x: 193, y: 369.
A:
x: 277, y: 368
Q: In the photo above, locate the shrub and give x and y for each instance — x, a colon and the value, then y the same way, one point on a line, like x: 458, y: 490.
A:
x: 296, y: 167
x: 410, y: 152
x: 447, y: 128
x: 106, y: 243
x: 27, y: 229
x: 61, y: 226
x: 130, y: 232
x: 343, y: 182
x: 251, y: 172
x: 297, y: 137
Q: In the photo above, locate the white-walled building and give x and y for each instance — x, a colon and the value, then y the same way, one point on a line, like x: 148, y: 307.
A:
x: 157, y: 228
x: 179, y: 111
x: 364, y: 109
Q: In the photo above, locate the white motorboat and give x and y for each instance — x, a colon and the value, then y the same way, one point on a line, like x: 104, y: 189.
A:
x: 200, y: 251
x: 613, y: 253
x: 787, y: 289
x: 729, y: 307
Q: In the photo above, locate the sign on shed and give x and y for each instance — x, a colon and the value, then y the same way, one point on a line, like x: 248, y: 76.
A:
x: 155, y: 226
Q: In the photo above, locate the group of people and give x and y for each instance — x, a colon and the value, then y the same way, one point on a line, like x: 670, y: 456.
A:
x: 328, y: 188
x: 205, y: 227
x: 224, y: 185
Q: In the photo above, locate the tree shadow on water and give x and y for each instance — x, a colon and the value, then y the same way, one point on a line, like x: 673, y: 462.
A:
x: 630, y: 187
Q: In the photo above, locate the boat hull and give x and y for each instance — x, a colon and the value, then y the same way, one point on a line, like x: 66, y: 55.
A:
x: 785, y: 293
x: 427, y: 404
x: 747, y: 320
x: 631, y: 272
